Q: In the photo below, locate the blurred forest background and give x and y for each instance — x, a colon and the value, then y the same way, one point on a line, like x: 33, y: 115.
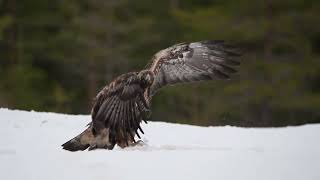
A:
x: 55, y: 55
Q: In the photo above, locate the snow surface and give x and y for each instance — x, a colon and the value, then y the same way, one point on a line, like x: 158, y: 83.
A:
x: 30, y: 149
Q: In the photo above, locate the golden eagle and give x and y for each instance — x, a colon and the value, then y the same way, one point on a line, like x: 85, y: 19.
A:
x: 121, y: 106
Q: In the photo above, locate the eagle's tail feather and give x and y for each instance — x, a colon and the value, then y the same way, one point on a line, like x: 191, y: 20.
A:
x: 80, y: 142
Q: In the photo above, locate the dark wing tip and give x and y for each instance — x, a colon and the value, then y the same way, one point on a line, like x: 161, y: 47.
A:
x: 224, y: 56
x: 220, y: 74
x: 228, y: 69
x: 229, y: 49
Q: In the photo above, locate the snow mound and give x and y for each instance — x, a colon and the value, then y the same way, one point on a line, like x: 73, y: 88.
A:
x: 30, y: 148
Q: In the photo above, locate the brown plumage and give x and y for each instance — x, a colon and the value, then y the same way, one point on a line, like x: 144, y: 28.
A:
x: 120, y: 107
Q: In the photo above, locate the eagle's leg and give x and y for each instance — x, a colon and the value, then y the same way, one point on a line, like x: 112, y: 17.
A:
x: 102, y: 141
x: 131, y: 142
x: 126, y: 142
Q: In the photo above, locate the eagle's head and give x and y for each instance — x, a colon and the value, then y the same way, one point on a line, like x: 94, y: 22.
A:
x: 146, y: 77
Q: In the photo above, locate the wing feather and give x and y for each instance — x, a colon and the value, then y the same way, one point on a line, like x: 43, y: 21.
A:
x: 141, y: 109
x: 112, y: 120
x: 126, y: 121
x: 135, y: 118
x: 103, y: 113
x: 121, y: 127
x: 109, y: 109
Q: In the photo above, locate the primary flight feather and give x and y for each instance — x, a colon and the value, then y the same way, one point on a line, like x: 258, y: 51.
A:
x: 121, y: 106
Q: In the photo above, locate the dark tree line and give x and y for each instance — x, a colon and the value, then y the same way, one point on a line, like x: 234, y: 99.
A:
x: 56, y: 55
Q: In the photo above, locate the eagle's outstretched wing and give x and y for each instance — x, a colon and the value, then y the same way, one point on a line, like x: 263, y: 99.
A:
x: 197, y: 61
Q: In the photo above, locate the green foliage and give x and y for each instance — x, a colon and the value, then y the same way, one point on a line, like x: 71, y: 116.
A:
x: 22, y: 79
x: 5, y: 21
x: 56, y: 55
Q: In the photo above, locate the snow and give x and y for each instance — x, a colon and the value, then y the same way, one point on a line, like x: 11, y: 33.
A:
x: 30, y: 149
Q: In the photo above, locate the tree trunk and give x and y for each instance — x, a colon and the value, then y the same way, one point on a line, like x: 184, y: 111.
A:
x: 269, y: 37
x: 174, y: 4
x: 92, y: 82
x: 268, y: 55
x: 11, y: 33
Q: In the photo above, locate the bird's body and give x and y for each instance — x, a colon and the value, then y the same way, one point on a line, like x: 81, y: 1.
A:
x: 121, y: 106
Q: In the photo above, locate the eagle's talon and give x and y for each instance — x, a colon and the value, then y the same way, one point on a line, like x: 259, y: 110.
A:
x: 138, y: 143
